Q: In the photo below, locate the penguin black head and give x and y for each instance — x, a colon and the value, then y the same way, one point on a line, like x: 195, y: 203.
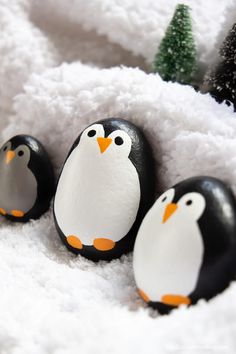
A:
x: 21, y: 149
x: 127, y: 135
x: 189, y: 205
x: 217, y: 217
x: 120, y: 136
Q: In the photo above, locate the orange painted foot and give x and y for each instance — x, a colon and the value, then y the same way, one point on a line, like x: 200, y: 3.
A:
x: 18, y: 213
x: 2, y: 211
x: 175, y: 300
x: 74, y: 242
x: 103, y: 244
x: 143, y: 295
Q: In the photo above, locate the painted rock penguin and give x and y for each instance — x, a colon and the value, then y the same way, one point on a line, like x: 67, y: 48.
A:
x: 105, y: 188
x: 185, y: 249
x: 26, y: 179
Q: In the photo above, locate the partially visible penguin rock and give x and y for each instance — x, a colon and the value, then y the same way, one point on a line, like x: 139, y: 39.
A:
x: 185, y: 249
x: 105, y: 188
x: 26, y: 179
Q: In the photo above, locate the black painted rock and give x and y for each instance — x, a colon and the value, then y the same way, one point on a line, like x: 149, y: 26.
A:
x: 26, y: 179
x: 105, y: 188
x: 185, y: 249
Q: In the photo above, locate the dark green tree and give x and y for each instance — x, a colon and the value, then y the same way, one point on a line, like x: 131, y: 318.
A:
x: 221, y: 81
x: 176, y: 56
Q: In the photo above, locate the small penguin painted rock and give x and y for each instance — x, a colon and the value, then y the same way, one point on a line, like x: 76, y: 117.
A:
x: 26, y: 179
x: 105, y: 188
x: 185, y: 249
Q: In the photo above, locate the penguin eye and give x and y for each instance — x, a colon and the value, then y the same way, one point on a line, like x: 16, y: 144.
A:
x: 4, y: 149
x: 119, y: 140
x: 189, y: 202
x: 164, y: 199
x: 91, y: 133
x: 20, y: 153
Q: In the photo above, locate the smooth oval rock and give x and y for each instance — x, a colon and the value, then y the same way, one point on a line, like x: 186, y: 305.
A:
x: 26, y: 179
x: 105, y: 188
x: 185, y: 249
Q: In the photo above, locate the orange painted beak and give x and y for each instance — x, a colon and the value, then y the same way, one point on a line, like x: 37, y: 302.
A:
x: 170, y: 209
x: 103, y: 143
x: 10, y: 155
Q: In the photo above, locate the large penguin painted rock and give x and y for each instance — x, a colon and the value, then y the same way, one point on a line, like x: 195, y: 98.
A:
x: 105, y: 188
x: 185, y: 249
x: 26, y: 179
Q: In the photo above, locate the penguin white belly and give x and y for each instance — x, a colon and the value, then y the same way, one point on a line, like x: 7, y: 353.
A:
x: 168, y: 261
x: 18, y: 190
x: 96, y: 198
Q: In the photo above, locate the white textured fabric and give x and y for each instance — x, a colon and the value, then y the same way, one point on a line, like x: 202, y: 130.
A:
x: 50, y: 300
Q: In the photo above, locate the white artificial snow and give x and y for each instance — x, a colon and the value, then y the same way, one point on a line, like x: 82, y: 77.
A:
x: 139, y: 25
x: 229, y: 20
x: 52, y: 302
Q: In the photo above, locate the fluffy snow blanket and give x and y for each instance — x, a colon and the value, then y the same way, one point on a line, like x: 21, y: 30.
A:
x: 60, y: 71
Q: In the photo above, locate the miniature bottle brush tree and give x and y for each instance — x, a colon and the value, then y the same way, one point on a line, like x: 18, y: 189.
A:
x: 176, y: 57
x: 221, y: 81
